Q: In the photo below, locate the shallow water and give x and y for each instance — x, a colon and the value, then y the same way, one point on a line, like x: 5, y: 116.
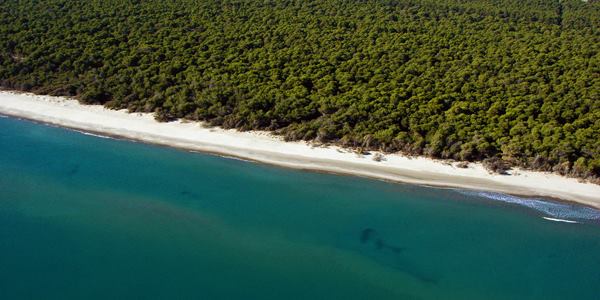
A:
x: 96, y: 218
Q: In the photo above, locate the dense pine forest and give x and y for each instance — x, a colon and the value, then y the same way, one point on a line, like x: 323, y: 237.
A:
x: 513, y: 82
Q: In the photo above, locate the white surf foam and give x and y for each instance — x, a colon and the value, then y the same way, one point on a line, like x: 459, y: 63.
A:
x: 93, y: 134
x: 234, y: 157
x: 559, y: 220
x: 554, y: 210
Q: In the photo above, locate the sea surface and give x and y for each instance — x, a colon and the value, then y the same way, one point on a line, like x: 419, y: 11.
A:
x: 89, y: 217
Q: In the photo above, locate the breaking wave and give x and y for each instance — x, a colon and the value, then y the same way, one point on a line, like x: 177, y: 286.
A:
x: 552, y: 209
x: 93, y: 134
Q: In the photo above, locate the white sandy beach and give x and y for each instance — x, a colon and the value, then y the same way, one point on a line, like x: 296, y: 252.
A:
x: 263, y: 147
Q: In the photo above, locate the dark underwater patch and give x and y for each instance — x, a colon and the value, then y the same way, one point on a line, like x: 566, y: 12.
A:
x: 390, y: 255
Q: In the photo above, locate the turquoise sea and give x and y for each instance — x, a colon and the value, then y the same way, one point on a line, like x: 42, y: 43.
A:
x: 86, y: 217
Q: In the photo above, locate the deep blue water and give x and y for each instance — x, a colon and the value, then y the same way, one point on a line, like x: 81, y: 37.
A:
x: 83, y: 217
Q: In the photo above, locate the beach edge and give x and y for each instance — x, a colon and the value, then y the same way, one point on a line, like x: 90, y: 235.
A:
x: 266, y: 148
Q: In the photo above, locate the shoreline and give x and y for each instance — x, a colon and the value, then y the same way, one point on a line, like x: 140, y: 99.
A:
x: 263, y: 147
